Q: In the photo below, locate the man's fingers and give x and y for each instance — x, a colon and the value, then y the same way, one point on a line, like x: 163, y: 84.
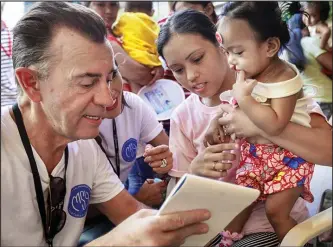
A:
x: 181, y: 235
x: 146, y: 212
x: 179, y: 220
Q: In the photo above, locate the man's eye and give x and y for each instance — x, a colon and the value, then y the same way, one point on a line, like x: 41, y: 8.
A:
x: 91, y: 84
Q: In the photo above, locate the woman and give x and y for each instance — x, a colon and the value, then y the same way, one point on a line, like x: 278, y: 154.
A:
x: 133, y: 72
x: 188, y: 44
x: 206, y: 7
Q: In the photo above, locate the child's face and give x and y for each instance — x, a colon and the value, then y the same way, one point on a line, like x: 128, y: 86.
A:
x: 311, y: 16
x: 243, y: 50
x: 197, y: 64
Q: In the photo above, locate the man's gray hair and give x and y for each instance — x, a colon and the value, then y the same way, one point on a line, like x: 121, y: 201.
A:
x: 34, y: 31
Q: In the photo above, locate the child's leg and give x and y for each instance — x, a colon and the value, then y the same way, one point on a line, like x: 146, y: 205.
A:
x: 278, y: 208
x: 237, y: 224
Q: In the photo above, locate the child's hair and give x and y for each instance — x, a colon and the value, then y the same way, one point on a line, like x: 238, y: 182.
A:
x: 143, y: 7
x: 186, y: 22
x: 265, y: 18
x: 202, y: 3
x: 324, y: 8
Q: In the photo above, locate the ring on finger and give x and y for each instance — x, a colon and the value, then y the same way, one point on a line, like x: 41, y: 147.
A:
x: 164, y: 163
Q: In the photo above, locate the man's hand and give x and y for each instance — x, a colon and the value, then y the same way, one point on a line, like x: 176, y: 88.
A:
x: 151, y: 194
x: 144, y: 228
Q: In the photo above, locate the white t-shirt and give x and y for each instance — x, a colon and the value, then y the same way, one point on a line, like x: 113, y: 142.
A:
x: 136, y: 125
x: 312, y: 73
x: 89, y: 179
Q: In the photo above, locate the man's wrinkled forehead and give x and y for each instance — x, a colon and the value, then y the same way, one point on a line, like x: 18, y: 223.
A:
x: 68, y: 45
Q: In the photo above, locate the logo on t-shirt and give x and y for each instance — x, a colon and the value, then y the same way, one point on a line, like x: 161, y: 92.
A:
x: 129, y: 150
x: 79, y: 200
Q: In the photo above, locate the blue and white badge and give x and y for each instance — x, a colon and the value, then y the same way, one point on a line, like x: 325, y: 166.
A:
x: 79, y: 200
x: 128, y: 151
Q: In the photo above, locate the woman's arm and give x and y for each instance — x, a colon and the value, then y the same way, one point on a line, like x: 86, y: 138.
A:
x: 312, y: 144
x: 131, y: 70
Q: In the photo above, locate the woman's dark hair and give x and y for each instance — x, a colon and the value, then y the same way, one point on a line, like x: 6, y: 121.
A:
x: 203, y: 4
x: 265, y: 18
x: 324, y: 8
x: 186, y: 22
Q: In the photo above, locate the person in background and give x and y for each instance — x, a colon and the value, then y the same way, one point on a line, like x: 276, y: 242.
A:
x: 132, y: 71
x: 205, y: 7
x: 138, y: 33
x: 315, y: 16
x: 8, y: 85
x: 318, y: 61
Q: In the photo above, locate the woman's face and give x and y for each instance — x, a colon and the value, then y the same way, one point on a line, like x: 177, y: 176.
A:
x: 208, y: 10
x: 197, y: 64
x: 107, y: 10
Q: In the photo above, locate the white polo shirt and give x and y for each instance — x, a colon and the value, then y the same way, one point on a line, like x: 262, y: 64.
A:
x: 136, y: 126
x: 89, y: 179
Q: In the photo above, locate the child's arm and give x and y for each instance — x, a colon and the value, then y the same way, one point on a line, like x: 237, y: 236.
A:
x: 324, y: 32
x: 271, y: 119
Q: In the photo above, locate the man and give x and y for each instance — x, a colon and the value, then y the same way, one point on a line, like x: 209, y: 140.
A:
x: 67, y: 79
x: 8, y: 87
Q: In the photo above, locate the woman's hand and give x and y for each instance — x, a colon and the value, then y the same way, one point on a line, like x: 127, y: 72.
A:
x: 236, y: 121
x: 159, y: 158
x: 151, y: 194
x: 215, y: 160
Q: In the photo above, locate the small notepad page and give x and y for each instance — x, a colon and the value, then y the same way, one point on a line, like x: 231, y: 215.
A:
x: 223, y: 200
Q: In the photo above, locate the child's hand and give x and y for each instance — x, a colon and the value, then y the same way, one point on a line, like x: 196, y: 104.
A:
x: 158, y: 73
x: 242, y: 88
x: 215, y: 133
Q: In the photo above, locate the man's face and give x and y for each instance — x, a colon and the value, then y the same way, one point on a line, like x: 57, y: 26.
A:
x: 82, y: 82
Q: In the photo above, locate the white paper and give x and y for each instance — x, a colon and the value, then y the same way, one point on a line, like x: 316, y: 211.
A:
x: 223, y: 200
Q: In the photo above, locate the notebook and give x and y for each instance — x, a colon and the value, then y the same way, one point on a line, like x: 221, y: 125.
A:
x: 223, y: 200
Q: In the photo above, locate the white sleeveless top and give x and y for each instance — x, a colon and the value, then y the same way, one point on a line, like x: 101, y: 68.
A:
x: 264, y: 91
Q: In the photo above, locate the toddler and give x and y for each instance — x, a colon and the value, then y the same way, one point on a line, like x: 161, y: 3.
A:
x: 269, y: 91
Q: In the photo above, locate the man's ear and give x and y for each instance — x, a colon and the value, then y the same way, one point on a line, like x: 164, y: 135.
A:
x: 273, y: 46
x: 29, y: 83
